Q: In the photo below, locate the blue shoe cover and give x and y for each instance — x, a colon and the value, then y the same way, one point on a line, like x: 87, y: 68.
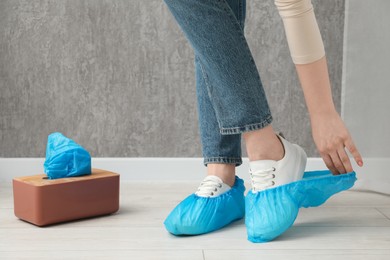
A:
x: 65, y: 158
x: 198, y: 215
x: 271, y: 212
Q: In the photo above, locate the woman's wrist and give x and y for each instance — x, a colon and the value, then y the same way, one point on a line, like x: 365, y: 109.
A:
x: 321, y: 111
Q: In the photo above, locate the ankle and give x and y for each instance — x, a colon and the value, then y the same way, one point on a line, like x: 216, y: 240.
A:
x: 263, y: 144
x: 224, y: 171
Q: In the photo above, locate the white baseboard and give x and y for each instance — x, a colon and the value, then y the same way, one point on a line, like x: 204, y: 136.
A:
x: 373, y: 176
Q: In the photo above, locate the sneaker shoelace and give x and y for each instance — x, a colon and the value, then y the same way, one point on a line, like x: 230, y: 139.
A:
x: 262, y: 179
x: 208, y: 187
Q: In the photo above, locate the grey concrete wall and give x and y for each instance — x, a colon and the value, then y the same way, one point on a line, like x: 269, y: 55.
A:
x: 118, y: 76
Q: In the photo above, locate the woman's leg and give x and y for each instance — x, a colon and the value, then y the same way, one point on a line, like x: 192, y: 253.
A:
x: 231, y: 97
x: 221, y: 153
x: 230, y: 73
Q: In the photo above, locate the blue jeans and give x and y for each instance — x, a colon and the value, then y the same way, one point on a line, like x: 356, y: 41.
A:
x: 230, y: 95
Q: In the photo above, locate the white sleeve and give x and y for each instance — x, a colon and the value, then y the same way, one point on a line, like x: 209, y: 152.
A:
x: 301, y: 28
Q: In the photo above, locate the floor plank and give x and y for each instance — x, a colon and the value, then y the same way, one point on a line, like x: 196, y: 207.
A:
x: 341, y: 216
x: 106, y: 254
x: 233, y: 237
x: 297, y: 254
x: 385, y: 211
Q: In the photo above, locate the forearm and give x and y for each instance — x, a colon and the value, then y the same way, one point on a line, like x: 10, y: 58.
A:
x: 315, y: 83
x: 308, y: 53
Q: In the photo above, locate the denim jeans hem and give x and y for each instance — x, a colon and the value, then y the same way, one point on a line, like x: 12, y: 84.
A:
x: 246, y: 128
x: 236, y: 160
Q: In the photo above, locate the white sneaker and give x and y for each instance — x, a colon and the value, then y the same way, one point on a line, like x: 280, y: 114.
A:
x: 212, y: 186
x: 269, y: 173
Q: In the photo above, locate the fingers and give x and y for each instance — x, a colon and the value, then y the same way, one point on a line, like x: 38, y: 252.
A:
x: 337, y: 159
x: 329, y: 163
x: 337, y: 162
x: 344, y: 160
x: 354, y: 151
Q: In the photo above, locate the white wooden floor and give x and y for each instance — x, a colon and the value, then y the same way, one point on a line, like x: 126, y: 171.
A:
x: 350, y: 225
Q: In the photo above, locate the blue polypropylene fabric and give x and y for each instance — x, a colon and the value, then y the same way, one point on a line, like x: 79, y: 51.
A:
x: 65, y: 158
x: 271, y: 212
x: 198, y: 215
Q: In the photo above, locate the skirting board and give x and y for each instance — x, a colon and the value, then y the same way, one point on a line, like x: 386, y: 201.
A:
x: 373, y: 176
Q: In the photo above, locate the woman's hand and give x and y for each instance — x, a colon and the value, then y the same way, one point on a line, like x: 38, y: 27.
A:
x: 331, y: 138
x: 329, y: 132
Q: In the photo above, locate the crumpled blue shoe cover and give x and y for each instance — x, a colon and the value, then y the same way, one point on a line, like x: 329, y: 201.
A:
x: 198, y: 215
x: 65, y: 158
x: 271, y: 212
